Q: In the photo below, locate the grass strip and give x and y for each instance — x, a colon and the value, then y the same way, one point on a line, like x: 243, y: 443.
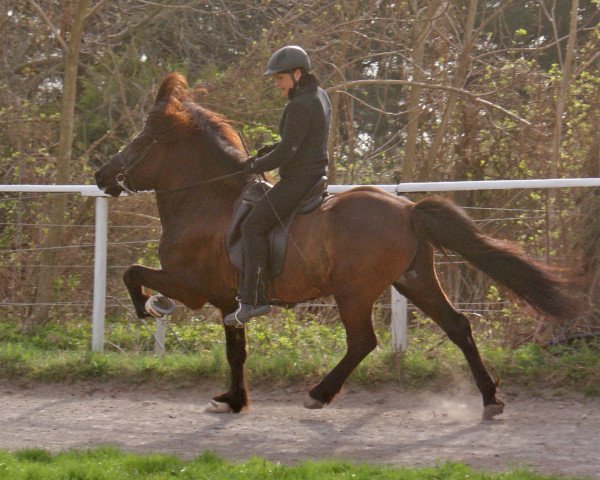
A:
x: 283, y: 350
x: 108, y: 463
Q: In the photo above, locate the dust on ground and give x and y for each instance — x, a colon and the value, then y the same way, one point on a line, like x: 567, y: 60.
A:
x: 382, y: 425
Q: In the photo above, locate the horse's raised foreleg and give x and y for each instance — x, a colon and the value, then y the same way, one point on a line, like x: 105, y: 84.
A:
x: 136, y: 277
x: 422, y: 288
x: 360, y: 339
x: 236, y: 398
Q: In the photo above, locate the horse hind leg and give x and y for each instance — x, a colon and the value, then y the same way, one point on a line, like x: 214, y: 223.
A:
x: 360, y: 339
x: 422, y: 288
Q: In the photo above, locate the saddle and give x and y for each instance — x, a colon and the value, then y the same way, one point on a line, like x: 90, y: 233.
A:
x: 278, y: 238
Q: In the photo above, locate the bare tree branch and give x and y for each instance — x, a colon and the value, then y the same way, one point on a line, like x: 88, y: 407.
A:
x: 432, y: 86
x: 95, y: 9
x: 52, y: 27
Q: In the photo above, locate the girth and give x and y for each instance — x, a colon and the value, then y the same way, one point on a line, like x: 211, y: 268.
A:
x: 278, y: 238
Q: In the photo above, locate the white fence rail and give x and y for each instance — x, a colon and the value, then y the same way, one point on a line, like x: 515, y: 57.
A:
x: 399, y: 304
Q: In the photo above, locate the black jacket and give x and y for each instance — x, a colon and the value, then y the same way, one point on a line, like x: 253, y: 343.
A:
x: 304, y: 130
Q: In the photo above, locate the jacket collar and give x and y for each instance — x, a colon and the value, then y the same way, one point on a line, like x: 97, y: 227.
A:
x: 310, y: 85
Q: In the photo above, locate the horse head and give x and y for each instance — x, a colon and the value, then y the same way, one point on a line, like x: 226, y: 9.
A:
x: 180, y: 142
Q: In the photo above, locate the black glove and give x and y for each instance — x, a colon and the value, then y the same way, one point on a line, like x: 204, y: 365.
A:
x: 262, y: 151
x: 249, y: 165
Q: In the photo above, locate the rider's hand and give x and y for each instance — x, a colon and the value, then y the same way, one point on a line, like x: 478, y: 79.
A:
x: 262, y: 151
x: 249, y: 165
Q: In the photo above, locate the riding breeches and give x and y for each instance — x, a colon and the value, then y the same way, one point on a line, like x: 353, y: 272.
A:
x: 274, y: 207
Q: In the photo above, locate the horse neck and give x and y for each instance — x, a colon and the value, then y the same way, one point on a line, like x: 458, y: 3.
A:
x: 205, y: 204
x: 198, y: 161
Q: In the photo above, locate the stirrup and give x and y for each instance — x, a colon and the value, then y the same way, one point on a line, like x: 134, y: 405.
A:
x: 244, y: 313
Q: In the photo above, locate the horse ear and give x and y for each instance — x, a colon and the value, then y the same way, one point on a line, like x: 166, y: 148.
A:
x: 173, y: 85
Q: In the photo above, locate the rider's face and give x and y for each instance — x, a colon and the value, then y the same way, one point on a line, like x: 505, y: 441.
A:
x: 284, y: 81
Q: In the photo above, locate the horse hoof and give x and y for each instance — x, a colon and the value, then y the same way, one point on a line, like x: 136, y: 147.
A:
x: 218, y: 407
x: 490, y: 411
x: 159, y: 306
x: 312, y: 403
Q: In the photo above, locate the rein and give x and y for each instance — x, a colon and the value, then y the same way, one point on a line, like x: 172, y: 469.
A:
x: 198, y: 184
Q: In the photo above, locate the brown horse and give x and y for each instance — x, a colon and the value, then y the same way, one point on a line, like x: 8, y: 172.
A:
x: 353, y: 247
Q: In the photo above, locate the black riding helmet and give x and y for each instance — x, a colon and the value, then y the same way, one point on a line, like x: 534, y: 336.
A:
x: 287, y: 59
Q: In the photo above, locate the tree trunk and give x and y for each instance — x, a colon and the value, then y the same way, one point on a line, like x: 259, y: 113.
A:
x: 563, y: 92
x: 566, y: 67
x: 333, y: 138
x: 464, y: 62
x: 43, y: 295
x: 421, y: 32
x: 590, y: 232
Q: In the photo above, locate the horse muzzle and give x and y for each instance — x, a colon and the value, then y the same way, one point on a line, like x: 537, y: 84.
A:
x: 111, y: 188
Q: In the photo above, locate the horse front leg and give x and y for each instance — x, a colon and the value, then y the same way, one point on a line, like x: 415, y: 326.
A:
x: 236, y: 398
x: 136, y: 277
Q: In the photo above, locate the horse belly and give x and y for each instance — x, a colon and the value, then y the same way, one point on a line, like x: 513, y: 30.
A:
x: 307, y: 265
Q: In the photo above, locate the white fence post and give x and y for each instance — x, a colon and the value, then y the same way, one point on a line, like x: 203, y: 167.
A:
x: 100, y: 256
x: 160, y: 335
x: 399, y: 324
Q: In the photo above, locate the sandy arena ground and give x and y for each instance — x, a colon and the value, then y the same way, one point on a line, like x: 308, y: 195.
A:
x: 381, y: 426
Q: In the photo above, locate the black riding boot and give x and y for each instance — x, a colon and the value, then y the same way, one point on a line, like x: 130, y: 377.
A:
x: 253, y: 299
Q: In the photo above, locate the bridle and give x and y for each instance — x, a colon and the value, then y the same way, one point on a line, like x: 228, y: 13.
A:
x: 121, y: 177
x: 126, y: 184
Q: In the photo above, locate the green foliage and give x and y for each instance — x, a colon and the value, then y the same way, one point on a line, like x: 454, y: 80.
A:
x: 109, y: 463
x: 259, y: 135
x: 560, y: 367
x: 34, y: 455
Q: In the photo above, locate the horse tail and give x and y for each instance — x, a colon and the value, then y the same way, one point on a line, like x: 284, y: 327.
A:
x: 448, y: 227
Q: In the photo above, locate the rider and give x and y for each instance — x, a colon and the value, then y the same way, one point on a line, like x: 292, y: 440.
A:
x: 301, y: 156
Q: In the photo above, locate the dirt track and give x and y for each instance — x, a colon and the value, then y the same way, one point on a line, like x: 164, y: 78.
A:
x: 385, y: 426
